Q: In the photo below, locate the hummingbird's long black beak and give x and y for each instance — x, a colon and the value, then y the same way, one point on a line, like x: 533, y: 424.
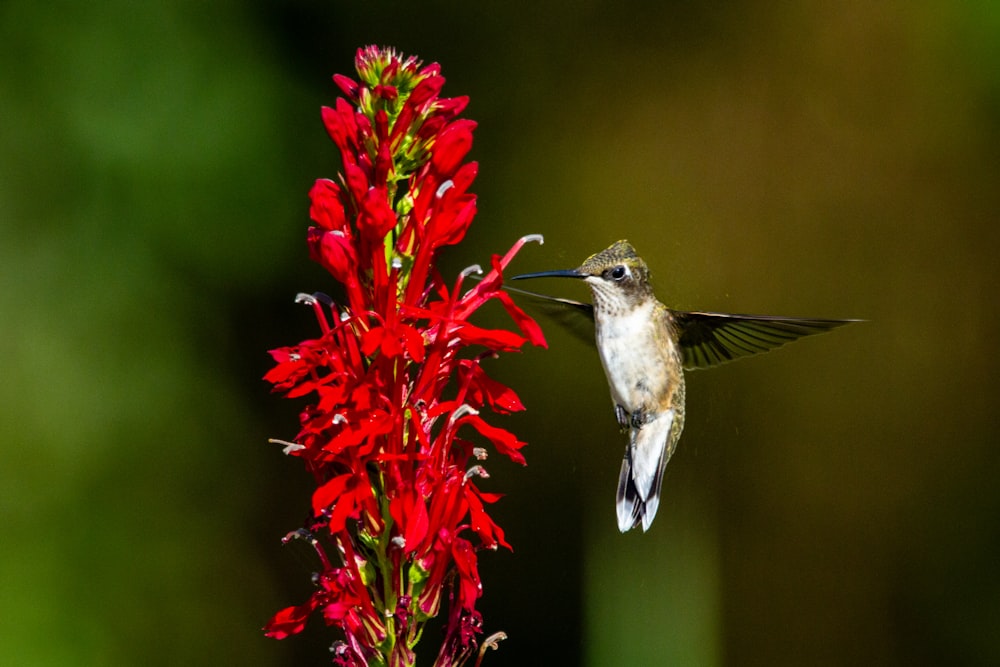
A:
x: 564, y: 273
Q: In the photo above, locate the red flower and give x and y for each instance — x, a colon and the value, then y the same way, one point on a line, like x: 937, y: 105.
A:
x: 393, y: 435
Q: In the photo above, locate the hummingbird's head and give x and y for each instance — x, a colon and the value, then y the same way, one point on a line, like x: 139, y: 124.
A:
x: 617, y: 276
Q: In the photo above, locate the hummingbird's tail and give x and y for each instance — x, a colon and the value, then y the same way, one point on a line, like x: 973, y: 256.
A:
x: 641, y: 476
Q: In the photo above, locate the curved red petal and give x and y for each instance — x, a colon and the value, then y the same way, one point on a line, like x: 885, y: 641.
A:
x: 504, y: 441
x: 334, y: 252
x: 528, y: 326
x: 327, y: 209
x: 290, y: 620
x: 452, y: 145
x: 377, y: 217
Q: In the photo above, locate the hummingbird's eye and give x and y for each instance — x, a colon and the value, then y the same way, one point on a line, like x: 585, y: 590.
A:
x: 618, y: 273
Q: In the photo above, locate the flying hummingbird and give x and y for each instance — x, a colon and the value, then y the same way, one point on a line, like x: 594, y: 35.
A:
x: 645, y: 348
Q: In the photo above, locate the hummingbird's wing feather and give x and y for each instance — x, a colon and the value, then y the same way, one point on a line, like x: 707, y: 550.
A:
x: 574, y: 316
x: 707, y: 339
x: 641, y: 477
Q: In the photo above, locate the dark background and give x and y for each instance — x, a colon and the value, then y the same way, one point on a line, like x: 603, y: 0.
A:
x: 834, y: 502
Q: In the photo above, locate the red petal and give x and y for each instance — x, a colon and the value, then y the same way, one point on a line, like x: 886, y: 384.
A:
x: 357, y: 181
x: 452, y: 145
x: 346, y: 506
x: 431, y: 127
x: 426, y: 90
x: 451, y: 106
x: 348, y: 85
x: 327, y: 208
x: 409, y: 511
x: 371, y: 340
x: 385, y: 92
x: 377, y: 217
x: 413, y: 341
x: 329, y: 493
x: 391, y: 346
x: 341, y: 125
x: 525, y: 323
x: 383, y: 163
x: 470, y: 587
x: 500, y: 397
x: 432, y: 70
x: 489, y: 532
x: 289, y: 621
x: 504, y: 441
x: 494, y: 339
x: 465, y: 175
x: 450, y: 219
x: 334, y: 252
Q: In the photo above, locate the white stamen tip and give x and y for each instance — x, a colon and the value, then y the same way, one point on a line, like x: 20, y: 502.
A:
x: 289, y: 446
x: 397, y: 263
x: 444, y: 187
x: 299, y: 534
x: 476, y: 471
x: 313, y: 299
x: 461, y: 411
x: 469, y: 270
x: 533, y: 238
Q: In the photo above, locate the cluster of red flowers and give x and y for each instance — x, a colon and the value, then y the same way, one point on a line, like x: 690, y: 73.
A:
x: 395, y: 394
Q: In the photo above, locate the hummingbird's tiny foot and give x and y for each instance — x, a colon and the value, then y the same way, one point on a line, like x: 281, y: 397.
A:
x: 639, y: 418
x: 621, y: 414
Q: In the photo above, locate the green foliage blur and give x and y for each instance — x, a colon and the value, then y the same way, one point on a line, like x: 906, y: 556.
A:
x: 834, y: 502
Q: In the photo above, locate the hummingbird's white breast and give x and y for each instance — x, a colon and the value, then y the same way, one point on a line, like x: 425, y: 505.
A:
x: 635, y: 355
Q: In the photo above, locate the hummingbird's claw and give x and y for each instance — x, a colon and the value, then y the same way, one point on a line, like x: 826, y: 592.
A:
x: 621, y: 414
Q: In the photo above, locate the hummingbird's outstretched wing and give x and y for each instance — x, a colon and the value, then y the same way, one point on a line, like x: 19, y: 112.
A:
x: 707, y: 339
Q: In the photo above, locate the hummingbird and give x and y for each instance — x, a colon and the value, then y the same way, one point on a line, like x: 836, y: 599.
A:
x: 645, y: 347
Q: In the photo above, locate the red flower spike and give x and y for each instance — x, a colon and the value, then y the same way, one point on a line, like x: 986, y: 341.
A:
x: 391, y: 381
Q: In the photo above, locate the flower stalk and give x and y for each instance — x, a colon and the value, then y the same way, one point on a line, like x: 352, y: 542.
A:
x: 394, y: 433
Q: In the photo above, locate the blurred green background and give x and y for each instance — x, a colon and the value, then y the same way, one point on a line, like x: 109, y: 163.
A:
x: 835, y: 502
